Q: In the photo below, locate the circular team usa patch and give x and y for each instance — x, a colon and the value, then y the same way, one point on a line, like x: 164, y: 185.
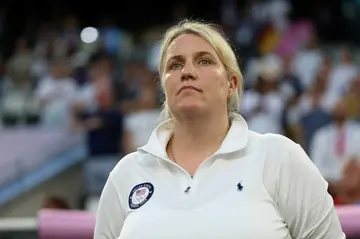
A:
x: 140, y: 194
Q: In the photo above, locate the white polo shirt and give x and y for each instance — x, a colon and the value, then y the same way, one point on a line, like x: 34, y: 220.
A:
x: 255, y: 186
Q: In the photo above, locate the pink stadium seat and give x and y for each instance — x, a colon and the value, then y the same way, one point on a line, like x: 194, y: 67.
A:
x: 59, y: 224
x: 350, y: 219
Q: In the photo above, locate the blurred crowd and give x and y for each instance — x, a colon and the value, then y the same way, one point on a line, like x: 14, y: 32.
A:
x: 107, y: 87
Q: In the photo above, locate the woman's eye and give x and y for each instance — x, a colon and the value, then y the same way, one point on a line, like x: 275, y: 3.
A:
x: 204, y: 62
x: 175, y: 66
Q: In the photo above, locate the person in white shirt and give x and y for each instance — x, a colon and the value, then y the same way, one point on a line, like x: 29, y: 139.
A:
x: 307, y: 61
x: 342, y: 75
x: 203, y: 173
x: 334, y: 145
x: 263, y: 106
x: 55, y: 94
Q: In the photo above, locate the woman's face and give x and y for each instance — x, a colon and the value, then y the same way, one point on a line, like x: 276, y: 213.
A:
x: 195, y: 80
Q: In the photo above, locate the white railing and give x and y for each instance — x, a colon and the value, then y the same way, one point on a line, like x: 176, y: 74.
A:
x: 18, y: 224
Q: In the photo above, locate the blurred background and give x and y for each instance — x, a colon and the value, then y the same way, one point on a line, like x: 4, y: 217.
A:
x: 79, y: 89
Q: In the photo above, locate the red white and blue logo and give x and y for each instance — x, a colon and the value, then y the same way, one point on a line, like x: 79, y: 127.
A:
x: 140, y: 194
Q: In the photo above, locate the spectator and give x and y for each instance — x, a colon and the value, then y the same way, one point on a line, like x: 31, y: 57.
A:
x: 55, y: 94
x: 143, y: 114
x: 312, y: 121
x: 96, y: 113
x: 342, y: 74
x: 263, y: 105
x: 308, y: 61
x: 319, y: 89
x: 18, y: 101
x: 335, y: 145
x: 352, y: 99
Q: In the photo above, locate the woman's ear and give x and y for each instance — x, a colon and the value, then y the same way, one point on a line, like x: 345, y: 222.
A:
x: 233, y: 84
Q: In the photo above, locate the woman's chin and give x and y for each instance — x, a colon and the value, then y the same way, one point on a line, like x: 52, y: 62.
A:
x: 190, y: 109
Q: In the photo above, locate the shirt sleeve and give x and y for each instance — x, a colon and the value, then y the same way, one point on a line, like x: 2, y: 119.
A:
x: 110, y: 215
x: 303, y: 200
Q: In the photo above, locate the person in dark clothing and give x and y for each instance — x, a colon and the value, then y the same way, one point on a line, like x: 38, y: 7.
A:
x: 103, y: 124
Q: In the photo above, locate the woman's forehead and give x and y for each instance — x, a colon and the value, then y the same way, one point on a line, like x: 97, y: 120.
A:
x: 189, y: 44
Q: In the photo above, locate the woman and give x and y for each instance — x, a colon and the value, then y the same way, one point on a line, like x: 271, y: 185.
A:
x: 203, y: 174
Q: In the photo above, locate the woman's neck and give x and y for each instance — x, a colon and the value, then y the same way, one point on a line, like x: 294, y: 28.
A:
x: 201, y: 136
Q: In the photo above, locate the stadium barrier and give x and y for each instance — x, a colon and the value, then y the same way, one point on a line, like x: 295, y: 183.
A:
x: 54, y: 224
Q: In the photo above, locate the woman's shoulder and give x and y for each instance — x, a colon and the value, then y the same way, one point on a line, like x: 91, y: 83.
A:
x: 285, y: 161
x: 130, y: 163
x: 273, y: 142
x: 280, y: 151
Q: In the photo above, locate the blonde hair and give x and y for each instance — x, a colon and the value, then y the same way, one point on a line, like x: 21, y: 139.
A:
x: 213, y: 35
